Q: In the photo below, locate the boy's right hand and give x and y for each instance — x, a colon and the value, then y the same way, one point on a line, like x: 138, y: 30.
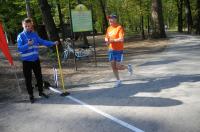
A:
x: 107, y: 43
x: 56, y: 43
x: 30, y: 42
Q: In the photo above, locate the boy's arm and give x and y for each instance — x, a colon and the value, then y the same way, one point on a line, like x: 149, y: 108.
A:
x: 106, y: 39
x: 45, y: 42
x: 21, y: 46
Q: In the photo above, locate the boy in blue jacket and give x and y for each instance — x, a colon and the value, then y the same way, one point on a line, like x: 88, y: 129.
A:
x: 28, y: 46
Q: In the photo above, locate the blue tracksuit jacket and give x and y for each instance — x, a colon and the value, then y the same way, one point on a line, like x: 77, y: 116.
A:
x: 27, y: 52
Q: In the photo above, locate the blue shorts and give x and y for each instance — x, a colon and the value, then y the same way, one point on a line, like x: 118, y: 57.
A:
x: 115, y: 55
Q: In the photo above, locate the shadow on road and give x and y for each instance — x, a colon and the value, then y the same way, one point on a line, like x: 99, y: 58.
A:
x: 124, y: 95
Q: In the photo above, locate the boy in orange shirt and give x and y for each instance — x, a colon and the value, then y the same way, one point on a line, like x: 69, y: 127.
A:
x: 115, y: 40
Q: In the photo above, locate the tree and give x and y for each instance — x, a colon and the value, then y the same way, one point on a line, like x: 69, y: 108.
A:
x: 28, y: 8
x: 141, y: 22
x: 8, y: 10
x: 105, y: 21
x: 188, y: 16
x: 134, y: 15
x: 61, y: 20
x: 157, y: 19
x: 48, y: 19
x: 197, y: 23
x: 180, y: 15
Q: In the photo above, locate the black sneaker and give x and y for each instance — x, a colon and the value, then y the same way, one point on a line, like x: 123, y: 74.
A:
x: 43, y: 95
x: 32, y: 100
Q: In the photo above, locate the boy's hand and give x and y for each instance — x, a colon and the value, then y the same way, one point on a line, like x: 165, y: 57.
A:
x: 111, y: 40
x: 56, y: 43
x: 30, y: 42
x: 107, y: 43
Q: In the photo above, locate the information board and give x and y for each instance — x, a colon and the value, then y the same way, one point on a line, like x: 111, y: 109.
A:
x: 81, y: 19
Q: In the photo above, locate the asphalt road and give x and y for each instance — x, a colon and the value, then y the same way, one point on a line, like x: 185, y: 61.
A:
x: 161, y: 96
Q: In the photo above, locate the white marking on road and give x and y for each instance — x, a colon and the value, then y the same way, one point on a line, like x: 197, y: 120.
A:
x: 118, y: 121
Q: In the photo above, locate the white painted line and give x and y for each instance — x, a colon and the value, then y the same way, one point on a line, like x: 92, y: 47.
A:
x: 55, y: 90
x: 122, y: 123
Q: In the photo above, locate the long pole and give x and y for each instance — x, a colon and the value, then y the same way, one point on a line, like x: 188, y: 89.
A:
x: 60, y: 69
x: 72, y: 34
x: 94, y: 44
x: 65, y: 93
x: 18, y: 86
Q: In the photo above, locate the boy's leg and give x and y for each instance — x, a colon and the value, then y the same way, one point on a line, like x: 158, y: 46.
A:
x: 38, y: 75
x: 27, y: 71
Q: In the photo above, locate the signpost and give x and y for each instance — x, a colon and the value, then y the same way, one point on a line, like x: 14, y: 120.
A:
x: 81, y: 21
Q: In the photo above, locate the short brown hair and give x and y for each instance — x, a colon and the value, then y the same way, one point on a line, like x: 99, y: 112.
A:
x: 27, y: 20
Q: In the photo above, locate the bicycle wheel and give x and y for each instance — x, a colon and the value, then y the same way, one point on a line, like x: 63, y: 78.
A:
x: 79, y: 53
x: 65, y: 55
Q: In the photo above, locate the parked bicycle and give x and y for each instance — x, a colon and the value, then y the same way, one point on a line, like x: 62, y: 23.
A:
x: 79, y: 52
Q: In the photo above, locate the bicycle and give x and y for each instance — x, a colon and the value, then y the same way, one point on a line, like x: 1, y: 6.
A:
x: 79, y: 53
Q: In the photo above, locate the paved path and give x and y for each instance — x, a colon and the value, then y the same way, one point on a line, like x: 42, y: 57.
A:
x: 161, y: 96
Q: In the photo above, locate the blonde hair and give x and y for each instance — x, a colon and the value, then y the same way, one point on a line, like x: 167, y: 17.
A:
x: 27, y: 20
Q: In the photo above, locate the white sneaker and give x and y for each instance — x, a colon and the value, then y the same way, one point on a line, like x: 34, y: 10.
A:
x: 117, y: 83
x: 130, y: 69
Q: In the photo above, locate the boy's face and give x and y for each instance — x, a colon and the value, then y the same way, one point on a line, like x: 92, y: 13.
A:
x: 112, y: 21
x: 27, y: 26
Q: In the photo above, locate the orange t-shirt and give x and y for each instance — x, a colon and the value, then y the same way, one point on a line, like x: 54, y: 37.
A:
x: 115, y: 33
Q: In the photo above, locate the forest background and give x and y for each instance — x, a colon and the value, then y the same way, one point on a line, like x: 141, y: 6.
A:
x: 146, y: 18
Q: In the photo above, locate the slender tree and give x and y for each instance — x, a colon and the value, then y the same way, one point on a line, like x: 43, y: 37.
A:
x: 79, y: 1
x: 61, y: 19
x: 157, y: 19
x: 180, y: 15
x: 188, y: 16
x: 141, y: 21
x: 197, y: 24
x: 105, y: 21
x: 28, y: 8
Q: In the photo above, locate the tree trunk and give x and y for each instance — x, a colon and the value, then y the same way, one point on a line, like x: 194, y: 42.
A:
x: 61, y: 20
x: 142, y: 27
x: 79, y: 1
x: 188, y: 16
x: 157, y: 19
x: 141, y: 22
x: 198, y: 17
x: 105, y: 21
x: 148, y: 25
x: 180, y: 15
x: 28, y: 8
x: 48, y: 19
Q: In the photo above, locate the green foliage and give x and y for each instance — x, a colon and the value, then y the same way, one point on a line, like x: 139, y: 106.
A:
x: 10, y: 15
x: 129, y: 12
x: 170, y: 13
